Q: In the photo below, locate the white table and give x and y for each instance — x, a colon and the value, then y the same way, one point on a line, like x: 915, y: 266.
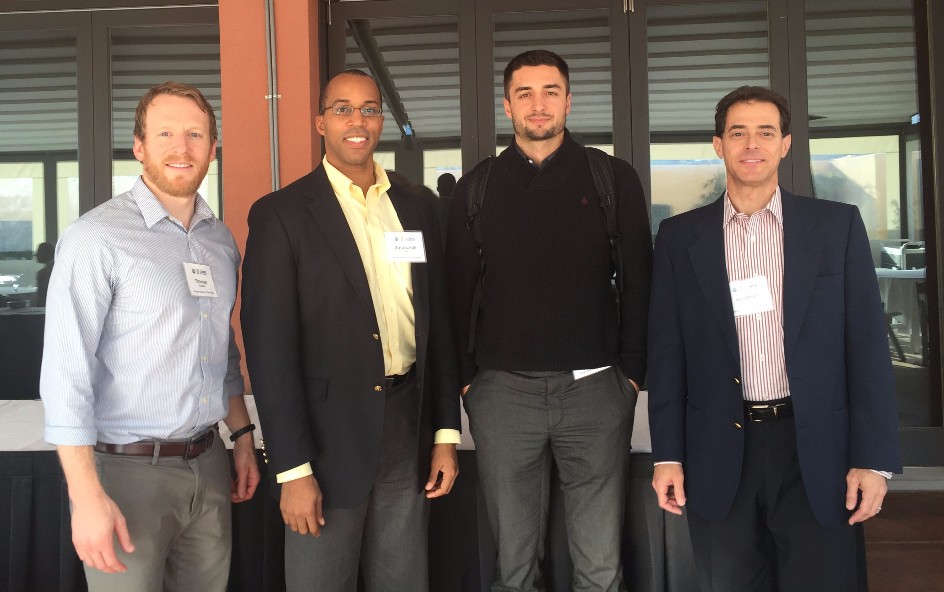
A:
x: 899, y: 291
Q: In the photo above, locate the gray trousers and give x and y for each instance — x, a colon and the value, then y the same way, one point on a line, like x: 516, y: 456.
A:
x: 385, y: 534
x: 520, y: 422
x: 179, y: 518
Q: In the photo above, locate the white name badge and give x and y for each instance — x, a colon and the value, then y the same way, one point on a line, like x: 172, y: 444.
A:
x: 405, y: 246
x: 200, y: 280
x: 751, y: 296
x: 578, y: 374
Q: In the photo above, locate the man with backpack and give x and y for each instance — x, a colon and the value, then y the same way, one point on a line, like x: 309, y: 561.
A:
x: 551, y: 352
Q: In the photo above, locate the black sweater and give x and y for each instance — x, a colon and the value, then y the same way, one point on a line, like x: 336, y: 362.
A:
x: 548, y: 302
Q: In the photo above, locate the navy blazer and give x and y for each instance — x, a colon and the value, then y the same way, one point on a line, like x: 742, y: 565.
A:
x: 835, y: 343
x: 310, y: 330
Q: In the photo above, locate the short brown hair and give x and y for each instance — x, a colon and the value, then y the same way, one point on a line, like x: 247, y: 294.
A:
x: 746, y: 94
x: 177, y: 89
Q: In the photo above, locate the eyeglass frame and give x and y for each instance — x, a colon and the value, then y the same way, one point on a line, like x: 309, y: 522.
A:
x: 334, y: 109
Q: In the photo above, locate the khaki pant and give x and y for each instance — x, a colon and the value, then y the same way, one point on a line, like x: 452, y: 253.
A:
x: 179, y: 519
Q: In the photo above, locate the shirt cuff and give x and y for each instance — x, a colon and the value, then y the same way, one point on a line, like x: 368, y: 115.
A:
x: 666, y: 462
x: 296, y: 473
x: 447, y: 437
x: 885, y: 474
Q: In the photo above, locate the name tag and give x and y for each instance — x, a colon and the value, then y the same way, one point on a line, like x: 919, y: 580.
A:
x: 578, y: 374
x: 751, y: 296
x: 200, y: 280
x: 405, y: 246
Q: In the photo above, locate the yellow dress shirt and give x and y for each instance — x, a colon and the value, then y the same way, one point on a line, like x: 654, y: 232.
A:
x: 370, y: 216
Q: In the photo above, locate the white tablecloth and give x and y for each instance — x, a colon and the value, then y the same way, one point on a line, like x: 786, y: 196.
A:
x: 21, y: 426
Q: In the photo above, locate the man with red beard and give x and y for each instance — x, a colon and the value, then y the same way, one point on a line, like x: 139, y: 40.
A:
x: 140, y: 365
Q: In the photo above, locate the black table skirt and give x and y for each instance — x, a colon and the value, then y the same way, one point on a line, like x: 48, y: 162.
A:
x: 36, y: 553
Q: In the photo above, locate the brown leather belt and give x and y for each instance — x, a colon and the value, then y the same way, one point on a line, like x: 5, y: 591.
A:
x: 756, y: 411
x: 392, y: 381
x: 185, y: 450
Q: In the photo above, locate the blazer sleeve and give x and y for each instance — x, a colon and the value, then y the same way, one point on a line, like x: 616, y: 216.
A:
x: 270, y: 323
x: 869, y: 378
x: 667, y: 371
x: 441, y: 355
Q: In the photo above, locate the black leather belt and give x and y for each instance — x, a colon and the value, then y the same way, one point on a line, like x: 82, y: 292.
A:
x: 185, y: 450
x: 398, y: 379
x: 757, y: 411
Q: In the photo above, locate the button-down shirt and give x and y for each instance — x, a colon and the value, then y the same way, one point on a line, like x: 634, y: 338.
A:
x: 390, y: 283
x: 753, y: 246
x: 370, y: 216
x: 129, y: 353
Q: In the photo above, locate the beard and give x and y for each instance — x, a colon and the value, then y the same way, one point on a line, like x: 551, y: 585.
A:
x: 536, y: 135
x: 157, y: 174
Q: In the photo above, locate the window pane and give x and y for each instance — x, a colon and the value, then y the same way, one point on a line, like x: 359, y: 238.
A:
x: 864, y: 151
x: 697, y: 54
x: 38, y: 125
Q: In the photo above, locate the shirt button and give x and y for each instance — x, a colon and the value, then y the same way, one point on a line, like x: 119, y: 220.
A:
x: 763, y: 357
x: 203, y: 400
x: 204, y: 358
x: 204, y: 315
x: 376, y: 337
x: 378, y: 388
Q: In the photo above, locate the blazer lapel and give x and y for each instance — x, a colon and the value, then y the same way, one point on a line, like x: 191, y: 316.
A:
x: 802, y: 249
x: 330, y: 219
x: 410, y: 219
x: 707, y: 256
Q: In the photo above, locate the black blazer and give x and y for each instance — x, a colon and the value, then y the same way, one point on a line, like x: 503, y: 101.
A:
x: 311, y: 337
x: 838, y: 365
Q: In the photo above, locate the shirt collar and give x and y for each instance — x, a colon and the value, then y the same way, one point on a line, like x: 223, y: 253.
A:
x: 153, y: 211
x: 527, y: 158
x: 774, y: 206
x: 342, y: 184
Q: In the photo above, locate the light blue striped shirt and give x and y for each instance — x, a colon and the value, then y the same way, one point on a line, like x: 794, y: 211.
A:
x: 129, y: 353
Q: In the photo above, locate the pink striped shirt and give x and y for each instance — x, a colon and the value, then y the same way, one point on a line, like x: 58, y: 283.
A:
x: 753, y: 246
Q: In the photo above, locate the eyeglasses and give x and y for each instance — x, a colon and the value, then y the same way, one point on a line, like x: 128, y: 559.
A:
x: 348, y: 110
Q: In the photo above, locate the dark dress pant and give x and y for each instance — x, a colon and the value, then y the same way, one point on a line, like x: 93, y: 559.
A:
x: 520, y: 422
x: 770, y: 540
x: 386, y: 534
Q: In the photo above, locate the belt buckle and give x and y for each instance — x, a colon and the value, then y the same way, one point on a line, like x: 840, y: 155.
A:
x: 191, y: 444
x: 759, y: 409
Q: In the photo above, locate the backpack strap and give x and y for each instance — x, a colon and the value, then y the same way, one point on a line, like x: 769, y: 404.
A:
x: 601, y: 167
x: 474, y: 197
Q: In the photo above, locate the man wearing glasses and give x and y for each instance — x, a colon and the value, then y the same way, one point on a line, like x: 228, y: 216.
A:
x: 350, y: 355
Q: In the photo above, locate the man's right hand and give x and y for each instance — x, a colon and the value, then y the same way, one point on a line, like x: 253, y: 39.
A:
x: 95, y: 522
x: 668, y: 480
x: 301, y: 505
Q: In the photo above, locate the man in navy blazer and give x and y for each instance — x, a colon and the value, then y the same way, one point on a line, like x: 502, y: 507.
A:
x: 771, y: 396
x: 350, y: 354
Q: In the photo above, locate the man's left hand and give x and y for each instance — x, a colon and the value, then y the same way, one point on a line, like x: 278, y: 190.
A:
x: 247, y: 470
x: 873, y: 487
x: 443, y: 470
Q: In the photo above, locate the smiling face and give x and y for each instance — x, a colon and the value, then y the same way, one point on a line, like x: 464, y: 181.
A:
x: 176, y: 149
x: 752, y: 147
x: 350, y: 140
x: 537, y: 103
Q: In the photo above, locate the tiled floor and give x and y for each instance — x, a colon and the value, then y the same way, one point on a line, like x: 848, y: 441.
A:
x: 905, y: 543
